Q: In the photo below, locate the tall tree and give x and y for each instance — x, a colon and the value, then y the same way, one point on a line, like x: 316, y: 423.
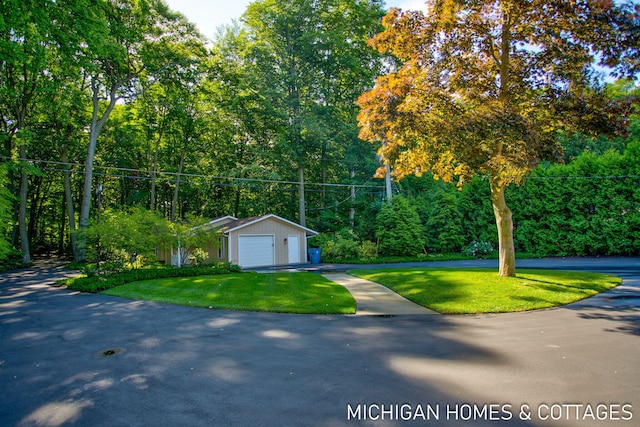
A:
x: 33, y: 37
x: 483, y: 88
x: 313, y: 64
x: 128, y: 50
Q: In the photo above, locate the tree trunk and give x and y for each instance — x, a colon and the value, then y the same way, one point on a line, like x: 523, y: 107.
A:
x: 68, y: 196
x: 504, y: 222
x: 176, y: 190
x: 154, y: 169
x: 352, y: 210
x: 22, y: 210
x: 323, y: 174
x: 96, y: 127
x: 301, y: 200
x: 387, y: 180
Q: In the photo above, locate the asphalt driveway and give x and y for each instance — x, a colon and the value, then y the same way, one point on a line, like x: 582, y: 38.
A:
x: 93, y: 360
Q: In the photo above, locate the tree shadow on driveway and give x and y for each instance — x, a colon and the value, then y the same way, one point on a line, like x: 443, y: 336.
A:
x: 96, y: 360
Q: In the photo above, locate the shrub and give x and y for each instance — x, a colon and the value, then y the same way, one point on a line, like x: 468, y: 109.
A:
x: 478, y: 249
x: 444, y: 224
x: 103, y: 282
x: 368, y: 250
x: 7, y: 254
x: 344, y: 245
x: 11, y: 260
x: 400, y: 231
x: 198, y: 257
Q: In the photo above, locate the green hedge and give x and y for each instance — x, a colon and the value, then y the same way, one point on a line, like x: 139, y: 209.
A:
x: 101, y: 283
x: 588, y: 207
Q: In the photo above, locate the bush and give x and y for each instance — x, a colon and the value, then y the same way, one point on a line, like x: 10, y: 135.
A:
x: 344, y: 245
x: 11, y: 260
x: 368, y: 250
x: 586, y: 208
x: 478, y: 249
x: 103, y: 282
x: 198, y: 257
x: 444, y: 225
x: 400, y: 232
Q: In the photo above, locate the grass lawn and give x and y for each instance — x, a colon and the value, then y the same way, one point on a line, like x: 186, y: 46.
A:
x: 470, y: 291
x: 278, y: 292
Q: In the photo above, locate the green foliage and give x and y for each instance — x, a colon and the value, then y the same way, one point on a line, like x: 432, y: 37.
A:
x: 368, y: 250
x: 11, y: 260
x: 477, y: 212
x: 343, y: 246
x: 198, y: 257
x: 478, y: 249
x: 444, y: 224
x: 128, y: 236
x: 5, y: 216
x: 268, y: 95
x: 588, y: 207
x: 399, y: 230
x: 100, y: 283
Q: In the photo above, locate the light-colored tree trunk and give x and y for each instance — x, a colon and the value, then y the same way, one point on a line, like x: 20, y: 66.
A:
x: 22, y: 211
x: 176, y: 190
x: 154, y: 169
x: 97, y: 122
x: 352, y: 210
x: 387, y: 180
x: 68, y: 196
x: 504, y: 222
x: 504, y: 218
x: 154, y: 175
x: 301, y: 198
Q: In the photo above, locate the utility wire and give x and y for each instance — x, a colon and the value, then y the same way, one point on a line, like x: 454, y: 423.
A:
x: 211, y: 178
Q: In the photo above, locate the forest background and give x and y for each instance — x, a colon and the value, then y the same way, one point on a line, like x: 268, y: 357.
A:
x: 110, y: 108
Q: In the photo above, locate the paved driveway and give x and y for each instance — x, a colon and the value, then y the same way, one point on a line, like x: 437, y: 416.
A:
x: 93, y: 360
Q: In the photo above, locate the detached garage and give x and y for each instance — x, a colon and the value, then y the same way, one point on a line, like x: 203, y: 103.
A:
x: 251, y: 242
x: 265, y: 241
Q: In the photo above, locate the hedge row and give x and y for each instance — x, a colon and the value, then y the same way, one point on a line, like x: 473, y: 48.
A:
x: 589, y: 207
x: 101, y: 283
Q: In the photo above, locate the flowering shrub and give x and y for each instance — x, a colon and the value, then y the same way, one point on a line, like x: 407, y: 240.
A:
x: 478, y: 249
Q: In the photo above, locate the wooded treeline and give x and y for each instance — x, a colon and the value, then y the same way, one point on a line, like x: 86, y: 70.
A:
x: 125, y: 97
x: 106, y: 104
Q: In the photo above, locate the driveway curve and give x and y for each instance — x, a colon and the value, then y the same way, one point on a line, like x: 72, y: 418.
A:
x: 84, y: 359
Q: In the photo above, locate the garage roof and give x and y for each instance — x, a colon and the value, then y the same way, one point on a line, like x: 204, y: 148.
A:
x: 237, y: 224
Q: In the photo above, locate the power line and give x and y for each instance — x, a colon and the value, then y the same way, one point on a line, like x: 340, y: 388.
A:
x: 210, y: 178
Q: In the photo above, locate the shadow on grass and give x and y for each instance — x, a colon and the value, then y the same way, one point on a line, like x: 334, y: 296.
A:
x: 185, y: 366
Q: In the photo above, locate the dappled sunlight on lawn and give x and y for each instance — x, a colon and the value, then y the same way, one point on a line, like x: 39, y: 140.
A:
x: 278, y: 292
x: 484, y: 291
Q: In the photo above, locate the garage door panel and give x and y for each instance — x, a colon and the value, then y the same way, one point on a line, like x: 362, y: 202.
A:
x: 255, y: 251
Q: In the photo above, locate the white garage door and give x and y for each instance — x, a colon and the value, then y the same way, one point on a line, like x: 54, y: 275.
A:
x: 255, y: 251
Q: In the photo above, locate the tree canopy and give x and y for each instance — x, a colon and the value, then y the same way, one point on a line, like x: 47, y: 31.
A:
x: 485, y: 87
x: 120, y: 106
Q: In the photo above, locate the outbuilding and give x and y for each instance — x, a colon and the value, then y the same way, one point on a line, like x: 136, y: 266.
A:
x: 259, y: 241
x: 264, y: 241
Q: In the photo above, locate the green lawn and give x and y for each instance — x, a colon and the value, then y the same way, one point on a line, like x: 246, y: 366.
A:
x: 279, y: 292
x: 469, y: 291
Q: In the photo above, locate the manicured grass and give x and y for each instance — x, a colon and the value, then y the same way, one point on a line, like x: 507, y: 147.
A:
x: 278, y: 292
x: 469, y: 291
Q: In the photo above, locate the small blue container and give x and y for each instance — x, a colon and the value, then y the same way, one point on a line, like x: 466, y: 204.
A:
x: 314, y: 255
